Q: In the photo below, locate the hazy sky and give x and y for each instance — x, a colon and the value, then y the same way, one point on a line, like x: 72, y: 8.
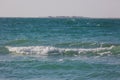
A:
x: 41, y: 8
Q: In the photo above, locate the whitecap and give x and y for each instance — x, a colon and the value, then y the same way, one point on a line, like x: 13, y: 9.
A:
x: 46, y: 50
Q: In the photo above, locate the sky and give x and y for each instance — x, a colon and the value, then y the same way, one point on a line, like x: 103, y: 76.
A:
x: 44, y: 8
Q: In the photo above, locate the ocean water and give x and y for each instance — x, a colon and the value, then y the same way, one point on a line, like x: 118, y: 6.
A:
x: 59, y: 49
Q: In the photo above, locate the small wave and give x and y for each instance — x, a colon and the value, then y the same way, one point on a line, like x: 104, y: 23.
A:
x: 13, y: 42
x: 50, y: 50
x: 3, y: 50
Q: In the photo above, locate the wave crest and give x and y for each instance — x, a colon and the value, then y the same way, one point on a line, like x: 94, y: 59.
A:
x: 50, y: 50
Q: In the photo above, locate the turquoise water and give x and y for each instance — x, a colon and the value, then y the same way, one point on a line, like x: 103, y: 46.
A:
x: 59, y: 49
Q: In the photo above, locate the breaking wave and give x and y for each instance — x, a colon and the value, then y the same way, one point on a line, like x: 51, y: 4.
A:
x: 50, y: 50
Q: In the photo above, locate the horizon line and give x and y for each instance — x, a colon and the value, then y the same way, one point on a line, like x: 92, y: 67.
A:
x: 59, y: 17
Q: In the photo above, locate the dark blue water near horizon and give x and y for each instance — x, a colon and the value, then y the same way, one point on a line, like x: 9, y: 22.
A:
x: 59, y: 49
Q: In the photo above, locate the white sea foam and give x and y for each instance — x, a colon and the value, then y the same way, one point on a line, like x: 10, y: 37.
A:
x: 45, y: 50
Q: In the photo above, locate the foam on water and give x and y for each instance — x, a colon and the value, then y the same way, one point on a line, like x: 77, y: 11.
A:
x: 46, y: 50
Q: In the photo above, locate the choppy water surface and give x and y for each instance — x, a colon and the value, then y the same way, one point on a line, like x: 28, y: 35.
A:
x: 59, y: 49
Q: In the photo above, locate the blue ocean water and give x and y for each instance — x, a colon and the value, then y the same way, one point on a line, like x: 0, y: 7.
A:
x: 59, y: 49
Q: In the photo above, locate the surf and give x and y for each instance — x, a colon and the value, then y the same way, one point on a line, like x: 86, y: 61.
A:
x: 51, y: 50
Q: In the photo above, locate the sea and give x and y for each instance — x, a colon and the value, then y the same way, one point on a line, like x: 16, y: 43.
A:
x: 59, y: 48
